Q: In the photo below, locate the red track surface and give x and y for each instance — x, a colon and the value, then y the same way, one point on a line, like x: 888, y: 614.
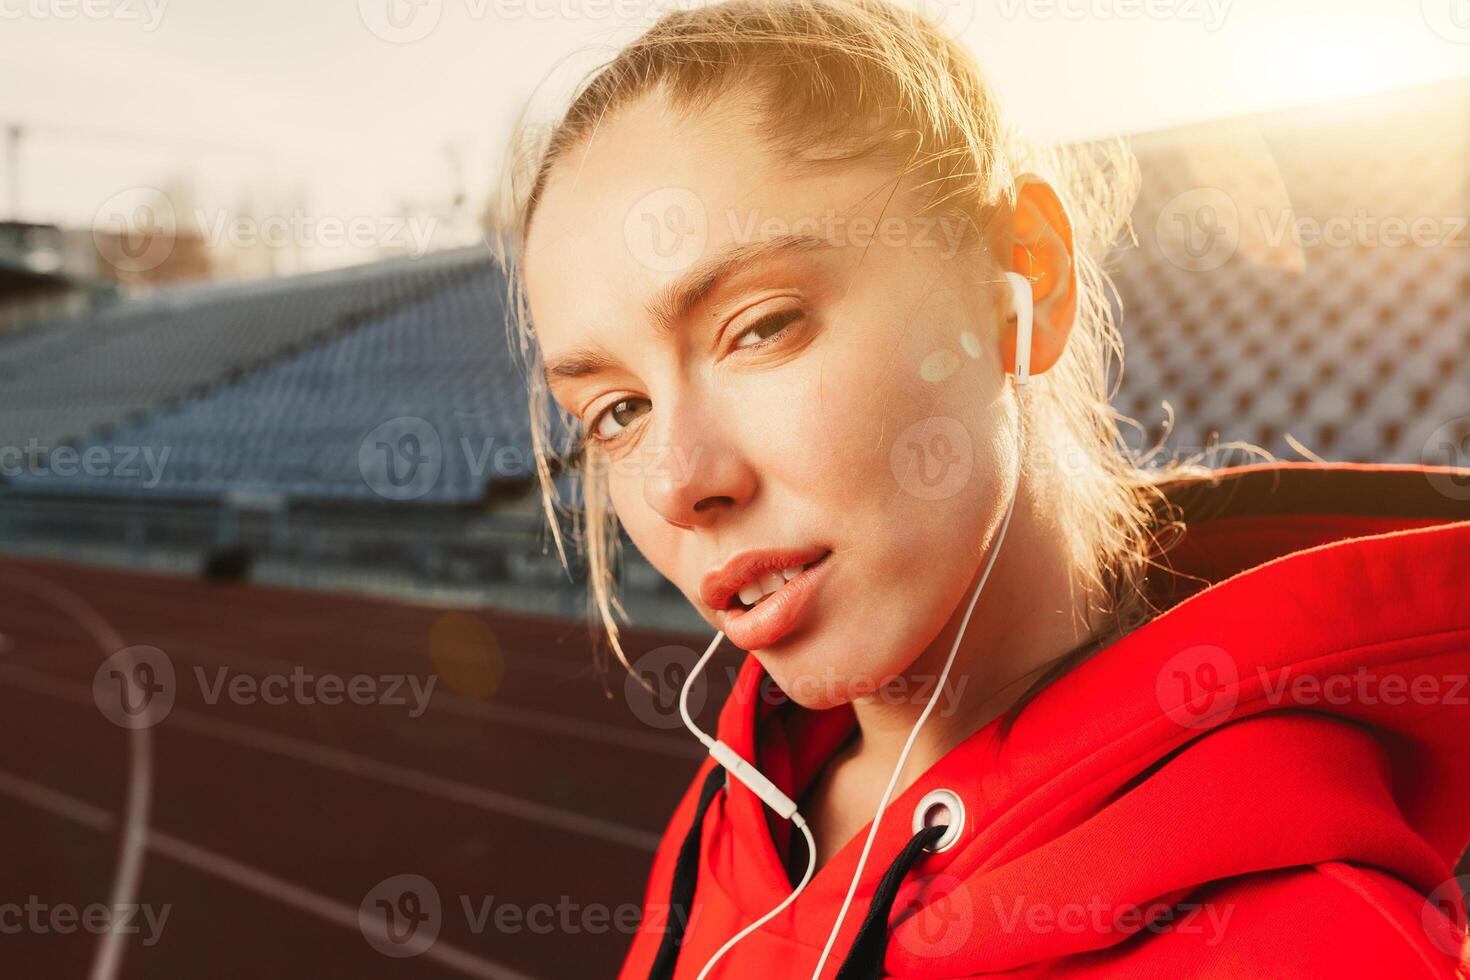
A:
x: 270, y: 824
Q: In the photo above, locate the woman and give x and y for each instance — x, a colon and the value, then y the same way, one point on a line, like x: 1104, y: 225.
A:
x: 764, y: 268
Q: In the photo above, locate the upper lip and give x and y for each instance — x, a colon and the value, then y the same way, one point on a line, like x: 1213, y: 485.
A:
x: 721, y: 584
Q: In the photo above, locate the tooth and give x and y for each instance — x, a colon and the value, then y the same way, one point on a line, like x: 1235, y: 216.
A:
x: 790, y: 573
x: 751, y: 592
x: 771, y: 581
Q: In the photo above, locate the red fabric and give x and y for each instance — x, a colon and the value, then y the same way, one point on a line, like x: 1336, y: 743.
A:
x: 1246, y: 755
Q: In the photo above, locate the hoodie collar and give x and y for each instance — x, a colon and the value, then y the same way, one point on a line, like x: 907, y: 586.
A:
x: 1291, y: 578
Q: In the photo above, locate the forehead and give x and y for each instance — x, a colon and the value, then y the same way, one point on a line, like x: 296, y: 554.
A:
x: 653, y: 193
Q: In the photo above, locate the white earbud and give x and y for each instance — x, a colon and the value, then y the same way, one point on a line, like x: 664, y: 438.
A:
x: 1021, y: 294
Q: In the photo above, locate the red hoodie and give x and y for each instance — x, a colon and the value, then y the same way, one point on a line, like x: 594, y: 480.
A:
x: 1268, y: 779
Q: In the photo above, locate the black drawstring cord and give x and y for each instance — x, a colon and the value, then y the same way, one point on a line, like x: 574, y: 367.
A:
x: 865, y: 959
x: 686, y: 874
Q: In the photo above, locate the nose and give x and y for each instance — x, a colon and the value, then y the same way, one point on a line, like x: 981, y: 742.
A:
x: 696, y: 470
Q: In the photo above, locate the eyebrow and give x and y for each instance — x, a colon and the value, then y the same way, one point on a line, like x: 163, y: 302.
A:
x: 672, y: 302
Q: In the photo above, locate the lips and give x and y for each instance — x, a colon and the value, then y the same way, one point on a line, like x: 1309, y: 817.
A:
x: 720, y: 586
x: 778, y: 613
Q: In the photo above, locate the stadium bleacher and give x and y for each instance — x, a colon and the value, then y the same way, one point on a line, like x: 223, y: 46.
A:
x: 296, y: 424
x: 1355, y: 340
x: 275, y: 387
x: 392, y: 383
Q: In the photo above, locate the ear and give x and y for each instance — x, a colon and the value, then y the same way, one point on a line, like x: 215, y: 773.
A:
x: 1042, y: 251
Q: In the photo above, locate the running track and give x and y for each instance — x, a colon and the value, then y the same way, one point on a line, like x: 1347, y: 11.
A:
x: 261, y: 830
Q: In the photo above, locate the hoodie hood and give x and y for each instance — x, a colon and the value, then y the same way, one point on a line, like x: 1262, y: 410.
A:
x: 1270, y: 773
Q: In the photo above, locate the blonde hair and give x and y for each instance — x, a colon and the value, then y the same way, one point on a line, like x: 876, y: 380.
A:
x: 882, y: 82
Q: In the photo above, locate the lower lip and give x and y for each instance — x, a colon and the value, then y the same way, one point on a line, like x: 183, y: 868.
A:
x: 765, y: 624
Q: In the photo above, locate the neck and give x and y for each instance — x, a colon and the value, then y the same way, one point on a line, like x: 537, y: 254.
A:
x: 1030, y: 612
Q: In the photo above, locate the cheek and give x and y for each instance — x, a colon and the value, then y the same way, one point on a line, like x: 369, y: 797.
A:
x: 655, y: 538
x: 903, y: 418
x: 837, y: 417
x: 917, y: 473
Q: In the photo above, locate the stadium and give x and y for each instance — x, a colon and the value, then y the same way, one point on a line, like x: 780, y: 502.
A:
x: 304, y: 510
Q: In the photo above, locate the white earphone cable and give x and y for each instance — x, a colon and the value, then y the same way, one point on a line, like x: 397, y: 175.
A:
x: 811, y: 866
x: 928, y: 707
x: 1020, y: 291
x: 753, y: 778
x: 724, y: 754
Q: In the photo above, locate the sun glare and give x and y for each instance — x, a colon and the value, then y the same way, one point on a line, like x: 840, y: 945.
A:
x: 1306, y: 58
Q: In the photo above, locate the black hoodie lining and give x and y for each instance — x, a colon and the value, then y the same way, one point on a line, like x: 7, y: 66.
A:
x: 1361, y: 490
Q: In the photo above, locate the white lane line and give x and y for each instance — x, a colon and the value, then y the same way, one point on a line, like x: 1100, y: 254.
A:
x: 57, y: 802
x: 530, y: 719
x: 128, y: 871
x: 241, y: 875
x: 341, y: 760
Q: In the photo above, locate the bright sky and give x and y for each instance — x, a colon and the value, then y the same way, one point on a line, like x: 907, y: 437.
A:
x: 346, y: 107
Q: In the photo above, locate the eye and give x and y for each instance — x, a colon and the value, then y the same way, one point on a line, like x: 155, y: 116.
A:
x: 595, y: 428
x: 772, y: 325
x: 765, y: 330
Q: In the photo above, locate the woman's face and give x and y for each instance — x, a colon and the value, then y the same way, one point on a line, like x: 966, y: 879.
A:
x: 840, y: 395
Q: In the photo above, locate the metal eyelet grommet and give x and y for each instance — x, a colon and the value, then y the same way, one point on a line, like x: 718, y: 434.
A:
x: 941, y: 806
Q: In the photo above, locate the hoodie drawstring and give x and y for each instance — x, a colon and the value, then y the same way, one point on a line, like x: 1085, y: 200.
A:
x: 686, y: 873
x: 864, y: 960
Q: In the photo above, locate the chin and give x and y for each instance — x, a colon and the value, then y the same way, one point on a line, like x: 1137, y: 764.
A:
x: 824, y: 666
x: 808, y: 693
x: 815, y: 687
